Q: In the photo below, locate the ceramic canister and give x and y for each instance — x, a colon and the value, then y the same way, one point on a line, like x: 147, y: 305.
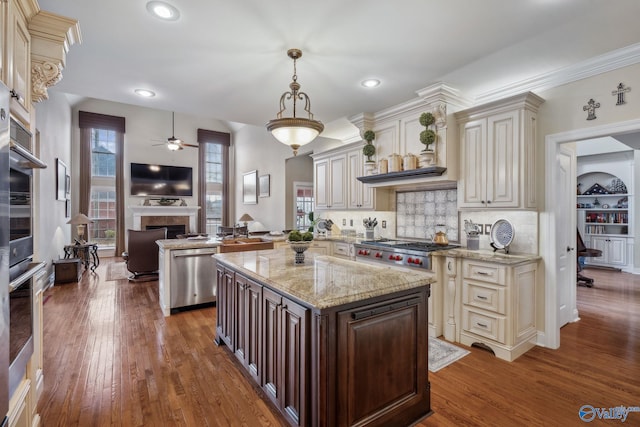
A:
x: 395, y: 163
x: 410, y: 162
x: 383, y: 166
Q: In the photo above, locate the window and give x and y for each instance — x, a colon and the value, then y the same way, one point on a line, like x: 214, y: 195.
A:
x: 102, y: 208
x: 214, y: 177
x: 101, y: 178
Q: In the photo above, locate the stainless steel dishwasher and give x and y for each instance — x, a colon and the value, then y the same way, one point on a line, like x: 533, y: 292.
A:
x: 193, y: 277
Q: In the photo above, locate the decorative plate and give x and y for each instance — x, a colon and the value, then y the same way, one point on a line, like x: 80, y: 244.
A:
x: 321, y: 225
x: 501, y: 234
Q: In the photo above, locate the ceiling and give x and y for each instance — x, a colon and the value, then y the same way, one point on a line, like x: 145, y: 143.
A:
x: 227, y: 59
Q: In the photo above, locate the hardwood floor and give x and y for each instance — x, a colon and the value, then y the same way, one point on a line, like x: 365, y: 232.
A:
x: 111, y: 358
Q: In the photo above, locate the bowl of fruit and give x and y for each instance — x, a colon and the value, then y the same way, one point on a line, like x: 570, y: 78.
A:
x: 299, y: 242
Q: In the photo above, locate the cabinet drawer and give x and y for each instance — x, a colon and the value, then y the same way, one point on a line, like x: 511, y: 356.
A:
x: 341, y: 249
x: 484, y: 324
x: 483, y: 271
x: 481, y: 295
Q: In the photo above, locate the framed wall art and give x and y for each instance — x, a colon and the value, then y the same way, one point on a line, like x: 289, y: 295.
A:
x: 61, y: 180
x: 265, y: 186
x: 250, y: 188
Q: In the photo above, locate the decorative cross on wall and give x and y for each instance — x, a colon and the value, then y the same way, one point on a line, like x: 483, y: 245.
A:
x: 591, y: 109
x: 619, y: 92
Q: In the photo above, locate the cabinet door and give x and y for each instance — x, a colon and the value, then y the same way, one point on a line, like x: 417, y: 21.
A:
x: 321, y: 183
x: 251, y: 331
x: 502, y: 160
x: 338, y: 180
x: 294, y: 361
x: 403, y: 384
x: 19, y: 62
x: 3, y: 39
x: 320, y: 248
x: 473, y: 164
x: 224, y: 309
x: 240, y: 316
x: 360, y: 195
x: 616, y: 251
x: 271, y: 381
x: 355, y: 187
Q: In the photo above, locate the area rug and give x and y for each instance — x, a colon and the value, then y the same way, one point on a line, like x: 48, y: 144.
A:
x: 442, y: 354
x: 117, y: 271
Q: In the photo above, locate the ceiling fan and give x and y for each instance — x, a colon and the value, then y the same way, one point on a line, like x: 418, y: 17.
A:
x: 174, y: 143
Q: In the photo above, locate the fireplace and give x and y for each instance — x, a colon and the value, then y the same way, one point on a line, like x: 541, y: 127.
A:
x: 165, y: 216
x: 172, y: 230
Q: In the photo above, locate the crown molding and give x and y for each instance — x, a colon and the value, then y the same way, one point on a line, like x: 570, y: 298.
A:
x: 609, y: 61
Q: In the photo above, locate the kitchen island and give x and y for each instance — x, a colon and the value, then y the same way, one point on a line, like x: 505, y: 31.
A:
x: 331, y: 342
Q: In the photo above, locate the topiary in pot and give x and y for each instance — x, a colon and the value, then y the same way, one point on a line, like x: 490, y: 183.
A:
x: 427, y: 136
x: 369, y: 149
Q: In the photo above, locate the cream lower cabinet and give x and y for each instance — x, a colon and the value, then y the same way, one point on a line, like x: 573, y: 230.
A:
x: 614, y: 251
x: 320, y: 247
x: 498, y: 161
x: 343, y: 250
x: 499, y: 307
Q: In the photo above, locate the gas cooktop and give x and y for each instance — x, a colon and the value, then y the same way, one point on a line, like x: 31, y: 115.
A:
x: 408, y: 245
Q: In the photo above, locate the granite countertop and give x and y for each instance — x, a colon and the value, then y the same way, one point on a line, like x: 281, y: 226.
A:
x: 323, y: 281
x: 490, y: 256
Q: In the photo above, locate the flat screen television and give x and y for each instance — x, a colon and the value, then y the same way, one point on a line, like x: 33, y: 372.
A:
x: 161, y: 180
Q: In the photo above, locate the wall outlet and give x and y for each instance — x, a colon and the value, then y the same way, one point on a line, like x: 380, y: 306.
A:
x: 344, y: 221
x: 384, y: 224
x: 487, y: 229
x: 351, y: 223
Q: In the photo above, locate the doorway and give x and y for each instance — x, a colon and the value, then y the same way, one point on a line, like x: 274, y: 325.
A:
x: 553, y: 247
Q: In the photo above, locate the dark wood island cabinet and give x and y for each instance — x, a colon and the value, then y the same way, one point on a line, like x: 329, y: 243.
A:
x: 332, y: 342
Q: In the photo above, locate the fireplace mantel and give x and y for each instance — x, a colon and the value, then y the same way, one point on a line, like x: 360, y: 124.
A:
x: 141, y: 211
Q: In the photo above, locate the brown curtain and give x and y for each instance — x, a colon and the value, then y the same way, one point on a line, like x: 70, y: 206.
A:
x: 88, y: 121
x: 212, y: 137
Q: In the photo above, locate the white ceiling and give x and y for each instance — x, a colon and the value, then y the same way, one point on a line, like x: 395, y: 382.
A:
x: 227, y: 59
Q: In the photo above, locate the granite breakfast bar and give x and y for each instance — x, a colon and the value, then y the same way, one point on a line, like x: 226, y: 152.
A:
x: 330, y: 342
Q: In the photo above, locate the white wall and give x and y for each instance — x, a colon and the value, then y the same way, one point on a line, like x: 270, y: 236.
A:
x: 563, y: 111
x: 257, y: 149
x: 53, y: 119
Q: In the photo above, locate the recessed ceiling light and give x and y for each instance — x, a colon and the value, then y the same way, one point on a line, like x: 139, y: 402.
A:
x: 370, y: 83
x: 163, y: 10
x: 145, y: 92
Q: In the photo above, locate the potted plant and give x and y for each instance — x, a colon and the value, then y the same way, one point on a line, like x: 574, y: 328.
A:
x: 299, y: 242
x: 369, y: 149
x: 427, y: 137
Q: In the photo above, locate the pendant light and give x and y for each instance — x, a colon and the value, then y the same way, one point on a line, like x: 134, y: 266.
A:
x: 295, y: 131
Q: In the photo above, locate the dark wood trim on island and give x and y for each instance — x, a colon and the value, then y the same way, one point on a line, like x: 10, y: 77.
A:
x: 332, y: 342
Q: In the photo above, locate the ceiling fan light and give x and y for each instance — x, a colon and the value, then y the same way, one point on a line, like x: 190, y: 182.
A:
x: 173, y: 145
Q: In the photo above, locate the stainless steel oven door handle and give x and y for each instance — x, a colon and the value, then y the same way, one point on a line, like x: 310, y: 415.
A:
x: 32, y: 161
x: 14, y: 284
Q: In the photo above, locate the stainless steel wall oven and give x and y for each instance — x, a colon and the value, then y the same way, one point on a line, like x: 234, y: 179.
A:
x: 22, y: 269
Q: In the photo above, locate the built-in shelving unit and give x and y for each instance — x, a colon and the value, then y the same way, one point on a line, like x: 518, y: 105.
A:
x: 605, y: 217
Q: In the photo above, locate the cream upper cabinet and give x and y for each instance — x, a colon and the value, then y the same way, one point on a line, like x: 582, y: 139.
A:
x: 498, y: 154
x: 330, y: 182
x: 336, y: 181
x: 18, y: 66
x: 3, y: 38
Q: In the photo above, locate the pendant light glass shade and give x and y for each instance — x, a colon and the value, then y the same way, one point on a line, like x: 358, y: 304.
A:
x: 295, y: 131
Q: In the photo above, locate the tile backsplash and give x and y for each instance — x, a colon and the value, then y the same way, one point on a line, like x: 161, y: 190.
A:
x: 419, y: 212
